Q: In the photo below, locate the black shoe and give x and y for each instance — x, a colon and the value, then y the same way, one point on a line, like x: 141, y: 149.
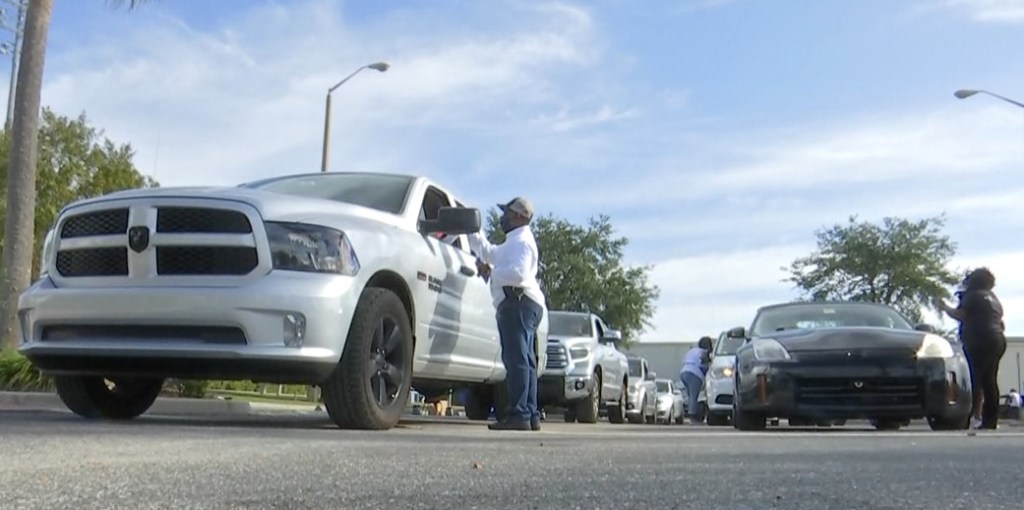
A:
x: 510, y: 425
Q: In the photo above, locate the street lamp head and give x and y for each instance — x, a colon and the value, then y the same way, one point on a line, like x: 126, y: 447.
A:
x: 965, y: 93
x: 379, y: 66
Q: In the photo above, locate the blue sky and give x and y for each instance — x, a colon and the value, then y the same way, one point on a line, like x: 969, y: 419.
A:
x: 717, y: 134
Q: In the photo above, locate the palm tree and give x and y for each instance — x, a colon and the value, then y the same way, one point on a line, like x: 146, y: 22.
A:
x: 21, y: 169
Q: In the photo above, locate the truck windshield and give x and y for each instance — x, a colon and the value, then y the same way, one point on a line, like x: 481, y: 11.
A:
x: 384, y: 192
x: 569, y: 324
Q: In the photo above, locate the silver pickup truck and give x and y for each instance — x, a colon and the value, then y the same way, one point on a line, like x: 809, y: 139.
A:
x: 585, y: 371
x: 361, y: 283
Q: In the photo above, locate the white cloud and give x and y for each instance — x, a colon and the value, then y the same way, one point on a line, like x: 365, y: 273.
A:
x: 1002, y: 11
x: 566, y: 121
x: 708, y: 293
x: 246, y: 100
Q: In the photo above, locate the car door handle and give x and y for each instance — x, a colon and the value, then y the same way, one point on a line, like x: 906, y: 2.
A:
x: 468, y: 271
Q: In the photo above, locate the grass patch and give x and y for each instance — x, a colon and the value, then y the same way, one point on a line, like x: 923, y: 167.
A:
x: 17, y: 373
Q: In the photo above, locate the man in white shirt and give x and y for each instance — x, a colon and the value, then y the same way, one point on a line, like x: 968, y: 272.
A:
x: 512, y: 268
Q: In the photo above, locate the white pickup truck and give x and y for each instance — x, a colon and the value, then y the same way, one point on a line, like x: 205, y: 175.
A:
x: 360, y: 283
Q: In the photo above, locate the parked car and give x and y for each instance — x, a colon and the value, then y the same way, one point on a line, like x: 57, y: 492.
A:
x: 642, y: 396
x: 718, y: 384
x: 671, y: 408
x: 360, y: 283
x: 823, y: 361
x: 585, y: 372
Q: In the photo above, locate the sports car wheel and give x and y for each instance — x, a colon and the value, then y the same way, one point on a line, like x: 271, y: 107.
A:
x: 747, y: 420
x: 370, y: 386
x: 937, y: 423
x: 617, y: 412
x: 887, y: 423
x: 121, y: 398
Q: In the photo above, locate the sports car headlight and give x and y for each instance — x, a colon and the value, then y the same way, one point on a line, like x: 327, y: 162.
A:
x: 934, y: 346
x: 769, y: 349
x: 722, y: 372
x: 311, y: 249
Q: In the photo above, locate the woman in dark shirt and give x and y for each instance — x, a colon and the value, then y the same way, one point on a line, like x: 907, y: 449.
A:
x: 981, y: 317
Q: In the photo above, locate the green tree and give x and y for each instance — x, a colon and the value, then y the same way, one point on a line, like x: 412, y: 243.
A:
x: 901, y: 263
x: 74, y: 163
x: 582, y: 270
x: 20, y: 185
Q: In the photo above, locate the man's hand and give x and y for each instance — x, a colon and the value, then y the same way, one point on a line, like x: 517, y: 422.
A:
x: 483, y: 268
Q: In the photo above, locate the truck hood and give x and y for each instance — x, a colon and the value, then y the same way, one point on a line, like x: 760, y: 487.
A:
x: 723, y: 360
x: 271, y: 206
x: 568, y: 339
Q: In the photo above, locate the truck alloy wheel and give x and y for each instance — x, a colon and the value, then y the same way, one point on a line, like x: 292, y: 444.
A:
x: 370, y: 386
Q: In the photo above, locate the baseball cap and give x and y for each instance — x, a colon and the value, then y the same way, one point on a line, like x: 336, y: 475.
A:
x: 519, y: 205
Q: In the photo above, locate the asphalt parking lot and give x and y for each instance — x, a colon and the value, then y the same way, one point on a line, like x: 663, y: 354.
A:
x: 52, y: 459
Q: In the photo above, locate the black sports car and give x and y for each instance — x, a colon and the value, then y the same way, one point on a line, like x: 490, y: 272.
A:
x: 814, y: 362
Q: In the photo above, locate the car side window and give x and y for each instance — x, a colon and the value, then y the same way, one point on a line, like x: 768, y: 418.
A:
x: 598, y: 329
x: 433, y: 200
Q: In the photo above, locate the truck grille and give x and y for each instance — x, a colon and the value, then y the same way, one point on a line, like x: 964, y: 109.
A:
x: 557, y: 357
x: 99, y: 223
x: 205, y: 260
x: 182, y: 220
x: 854, y: 392
x: 148, y: 240
x: 93, y: 262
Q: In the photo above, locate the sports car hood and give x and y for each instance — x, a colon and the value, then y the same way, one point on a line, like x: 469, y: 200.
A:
x: 810, y: 340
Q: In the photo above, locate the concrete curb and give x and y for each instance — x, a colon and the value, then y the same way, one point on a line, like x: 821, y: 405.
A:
x: 40, y: 401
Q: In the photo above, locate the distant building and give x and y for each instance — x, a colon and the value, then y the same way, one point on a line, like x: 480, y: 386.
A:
x: 666, y: 359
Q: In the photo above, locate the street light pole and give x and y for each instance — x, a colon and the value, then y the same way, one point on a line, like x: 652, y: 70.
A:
x: 966, y: 93
x: 379, y: 66
x: 15, y: 51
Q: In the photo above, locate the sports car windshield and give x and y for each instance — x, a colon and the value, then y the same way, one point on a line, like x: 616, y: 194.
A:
x: 826, y: 316
x: 383, y: 192
x: 568, y: 324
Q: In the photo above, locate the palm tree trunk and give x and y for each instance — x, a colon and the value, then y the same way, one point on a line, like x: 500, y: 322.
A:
x: 21, y: 177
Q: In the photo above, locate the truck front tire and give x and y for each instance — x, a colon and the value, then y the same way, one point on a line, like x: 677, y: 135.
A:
x: 370, y: 386
x: 589, y: 409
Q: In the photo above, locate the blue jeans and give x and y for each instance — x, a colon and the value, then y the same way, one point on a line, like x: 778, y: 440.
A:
x: 518, y: 320
x: 693, y: 383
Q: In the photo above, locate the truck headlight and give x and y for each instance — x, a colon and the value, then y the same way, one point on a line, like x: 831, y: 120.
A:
x: 311, y: 249
x: 45, y: 255
x: 934, y: 346
x: 579, y: 353
x: 769, y: 349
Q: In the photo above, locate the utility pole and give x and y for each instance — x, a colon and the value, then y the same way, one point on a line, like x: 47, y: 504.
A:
x: 14, y: 50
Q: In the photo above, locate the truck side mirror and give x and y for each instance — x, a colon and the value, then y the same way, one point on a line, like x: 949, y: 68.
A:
x: 453, y: 221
